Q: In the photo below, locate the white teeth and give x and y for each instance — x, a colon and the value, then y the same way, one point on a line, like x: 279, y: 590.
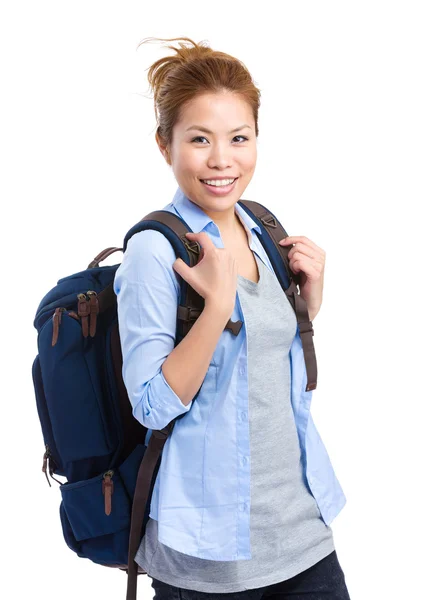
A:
x: 219, y: 182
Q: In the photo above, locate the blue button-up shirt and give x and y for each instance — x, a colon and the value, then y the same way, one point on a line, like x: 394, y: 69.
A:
x: 201, y: 496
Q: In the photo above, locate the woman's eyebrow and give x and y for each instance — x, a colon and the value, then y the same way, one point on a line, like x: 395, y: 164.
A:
x: 201, y: 128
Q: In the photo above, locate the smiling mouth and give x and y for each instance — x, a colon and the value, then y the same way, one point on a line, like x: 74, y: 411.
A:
x: 234, y: 178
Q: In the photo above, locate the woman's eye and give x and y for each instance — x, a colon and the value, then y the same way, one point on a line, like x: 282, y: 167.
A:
x: 203, y: 138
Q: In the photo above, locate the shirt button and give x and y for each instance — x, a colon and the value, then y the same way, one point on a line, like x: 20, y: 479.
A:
x: 244, y: 460
x: 243, y: 507
x: 242, y: 371
x: 244, y: 416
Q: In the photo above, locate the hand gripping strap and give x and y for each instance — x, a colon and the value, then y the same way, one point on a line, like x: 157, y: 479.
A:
x: 192, y: 303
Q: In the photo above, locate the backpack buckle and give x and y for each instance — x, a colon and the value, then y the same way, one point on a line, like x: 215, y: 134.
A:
x: 188, y: 313
x: 269, y: 220
x: 192, y: 245
x: 306, y: 327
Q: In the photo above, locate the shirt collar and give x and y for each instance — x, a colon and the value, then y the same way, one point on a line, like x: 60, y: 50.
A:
x: 198, y: 220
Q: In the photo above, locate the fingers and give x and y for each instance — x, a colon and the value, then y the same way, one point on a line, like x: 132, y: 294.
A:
x: 203, y: 238
x: 206, y: 246
x: 182, y: 269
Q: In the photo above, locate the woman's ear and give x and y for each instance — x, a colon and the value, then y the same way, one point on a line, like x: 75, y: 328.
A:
x: 163, y: 148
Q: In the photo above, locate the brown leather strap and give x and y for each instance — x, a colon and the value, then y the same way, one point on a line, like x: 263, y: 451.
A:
x: 143, y: 486
x: 102, y: 256
x: 189, y: 314
x: 306, y: 333
x: 106, y: 298
x: 277, y: 233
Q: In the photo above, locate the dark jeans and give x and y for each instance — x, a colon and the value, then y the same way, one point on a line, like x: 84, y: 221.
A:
x: 323, y: 581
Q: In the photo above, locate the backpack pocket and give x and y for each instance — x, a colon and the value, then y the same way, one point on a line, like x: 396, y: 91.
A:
x: 87, y: 528
x: 95, y: 515
x: 43, y: 415
x: 75, y: 391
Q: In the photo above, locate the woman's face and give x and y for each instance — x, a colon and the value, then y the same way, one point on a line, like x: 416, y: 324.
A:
x: 220, y: 152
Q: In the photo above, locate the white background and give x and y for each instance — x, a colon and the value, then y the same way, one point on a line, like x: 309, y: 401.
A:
x: 338, y: 161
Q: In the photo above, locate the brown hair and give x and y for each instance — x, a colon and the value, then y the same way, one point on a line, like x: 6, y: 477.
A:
x: 175, y: 80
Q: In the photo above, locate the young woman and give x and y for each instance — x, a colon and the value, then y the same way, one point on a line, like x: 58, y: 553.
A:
x: 245, y: 492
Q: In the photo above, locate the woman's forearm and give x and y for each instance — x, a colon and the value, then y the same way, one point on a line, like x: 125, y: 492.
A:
x: 186, y: 366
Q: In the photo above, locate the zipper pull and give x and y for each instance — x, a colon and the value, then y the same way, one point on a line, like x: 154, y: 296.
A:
x: 44, y: 464
x: 83, y: 310
x: 94, y: 308
x: 48, y: 461
x: 56, y: 324
x: 107, y: 490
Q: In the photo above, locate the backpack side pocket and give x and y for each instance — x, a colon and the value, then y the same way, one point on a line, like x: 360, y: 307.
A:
x: 95, y: 515
x: 43, y: 415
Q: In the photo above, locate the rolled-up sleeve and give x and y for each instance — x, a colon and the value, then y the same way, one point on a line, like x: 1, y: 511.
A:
x: 147, y: 299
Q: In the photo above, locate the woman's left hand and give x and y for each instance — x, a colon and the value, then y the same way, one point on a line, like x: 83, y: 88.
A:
x: 308, y: 260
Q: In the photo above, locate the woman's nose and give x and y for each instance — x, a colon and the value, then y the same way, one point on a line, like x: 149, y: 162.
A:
x: 220, y: 157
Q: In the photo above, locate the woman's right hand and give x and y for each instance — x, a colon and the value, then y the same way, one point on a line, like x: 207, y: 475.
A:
x: 214, y: 276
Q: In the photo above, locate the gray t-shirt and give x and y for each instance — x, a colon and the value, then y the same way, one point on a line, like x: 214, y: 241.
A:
x: 287, y: 532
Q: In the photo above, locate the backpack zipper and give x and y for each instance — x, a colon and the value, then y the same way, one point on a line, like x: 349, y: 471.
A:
x: 56, y: 323
x: 49, y: 457
x: 107, y: 490
x: 94, y: 310
x: 83, y: 310
x: 88, y: 309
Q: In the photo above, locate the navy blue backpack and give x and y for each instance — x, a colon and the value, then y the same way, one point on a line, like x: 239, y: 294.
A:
x: 110, y: 460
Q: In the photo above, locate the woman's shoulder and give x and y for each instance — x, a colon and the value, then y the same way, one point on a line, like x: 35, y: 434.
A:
x: 150, y: 243
x: 149, y: 258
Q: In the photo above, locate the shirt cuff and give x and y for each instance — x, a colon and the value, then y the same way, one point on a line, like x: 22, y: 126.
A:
x: 157, y: 414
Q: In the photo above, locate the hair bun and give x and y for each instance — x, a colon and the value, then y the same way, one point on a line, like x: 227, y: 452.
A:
x: 195, y: 68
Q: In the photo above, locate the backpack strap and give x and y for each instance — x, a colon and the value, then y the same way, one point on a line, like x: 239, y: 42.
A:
x: 175, y: 229
x: 272, y: 233
x: 102, y: 256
